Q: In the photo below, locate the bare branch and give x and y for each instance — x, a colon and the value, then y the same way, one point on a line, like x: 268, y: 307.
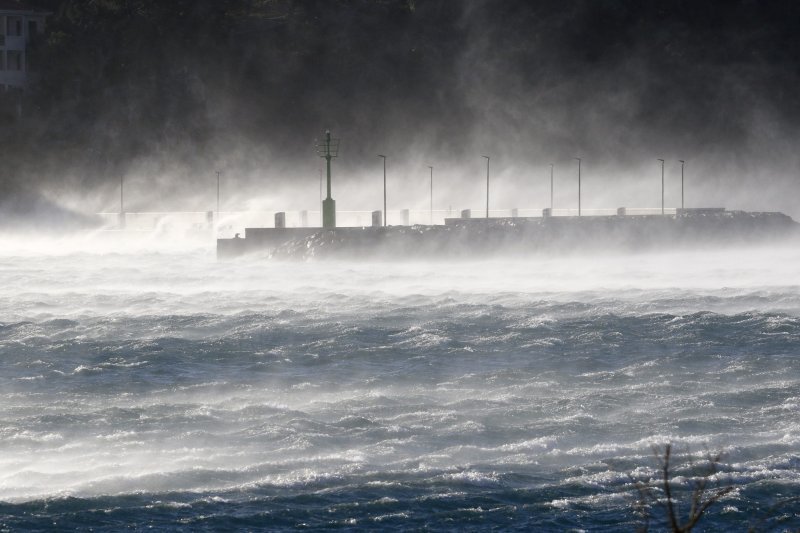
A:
x: 701, y: 496
x: 673, y: 520
x: 771, y: 511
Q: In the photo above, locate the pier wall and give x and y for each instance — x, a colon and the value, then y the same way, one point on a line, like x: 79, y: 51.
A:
x: 478, y: 237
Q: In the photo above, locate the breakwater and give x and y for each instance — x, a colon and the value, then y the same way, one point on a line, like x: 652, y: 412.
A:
x: 519, y: 235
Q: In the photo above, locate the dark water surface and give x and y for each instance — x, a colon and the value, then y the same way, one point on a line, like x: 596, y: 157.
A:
x: 168, y: 390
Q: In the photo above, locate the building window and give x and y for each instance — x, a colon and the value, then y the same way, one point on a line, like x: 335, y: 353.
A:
x: 14, y: 26
x: 2, y: 60
x: 14, y: 60
x: 32, y: 29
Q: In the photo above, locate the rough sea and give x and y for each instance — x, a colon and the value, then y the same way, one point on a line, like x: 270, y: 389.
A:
x: 156, y: 388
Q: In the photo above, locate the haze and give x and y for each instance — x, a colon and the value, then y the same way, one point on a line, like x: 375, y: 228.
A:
x: 163, y: 96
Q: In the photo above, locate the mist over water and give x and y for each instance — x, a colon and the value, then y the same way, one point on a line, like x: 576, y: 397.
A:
x: 146, y: 384
x: 164, y: 388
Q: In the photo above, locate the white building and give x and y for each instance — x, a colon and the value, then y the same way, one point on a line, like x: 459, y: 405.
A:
x: 19, y: 25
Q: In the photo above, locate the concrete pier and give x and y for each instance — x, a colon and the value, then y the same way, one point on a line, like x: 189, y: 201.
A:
x: 468, y: 237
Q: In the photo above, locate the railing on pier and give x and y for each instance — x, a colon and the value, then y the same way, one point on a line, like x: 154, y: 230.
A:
x: 227, y: 223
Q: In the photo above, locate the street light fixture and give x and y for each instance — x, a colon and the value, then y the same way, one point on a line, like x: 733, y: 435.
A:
x: 430, y: 167
x: 579, y: 185
x: 218, y: 173
x: 121, y: 217
x: 662, y: 186
x: 384, y: 189
x: 487, y: 185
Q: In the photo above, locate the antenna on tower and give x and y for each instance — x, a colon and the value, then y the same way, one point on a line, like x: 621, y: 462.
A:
x: 328, y: 149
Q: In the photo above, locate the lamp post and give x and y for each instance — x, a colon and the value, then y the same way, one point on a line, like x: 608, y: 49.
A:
x: 121, y: 217
x: 487, y: 185
x: 662, y: 186
x: 682, y: 163
x: 218, y: 173
x: 430, y: 167
x: 551, y: 188
x: 579, y: 185
x: 385, y: 214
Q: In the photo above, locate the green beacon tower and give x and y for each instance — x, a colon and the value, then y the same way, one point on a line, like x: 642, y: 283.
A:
x: 328, y: 149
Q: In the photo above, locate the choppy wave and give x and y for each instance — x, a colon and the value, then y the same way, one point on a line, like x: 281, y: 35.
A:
x: 173, y: 391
